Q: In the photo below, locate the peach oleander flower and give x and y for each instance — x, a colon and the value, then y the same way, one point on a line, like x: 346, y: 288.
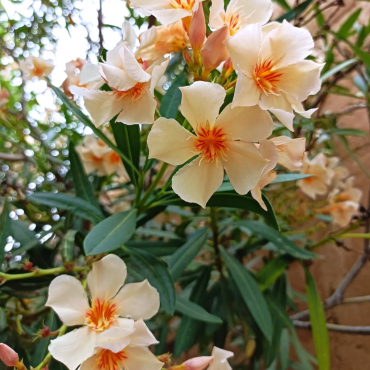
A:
x: 291, y: 151
x: 117, y: 349
x: 4, y: 97
x: 321, y: 177
x: 269, y: 151
x: 272, y: 71
x: 239, y: 13
x: 97, y: 156
x: 217, y: 361
x: 340, y: 172
x: 113, y: 305
x: 132, y: 85
x: 221, y: 141
x: 81, y: 73
x: 167, y: 11
x: 35, y: 67
x: 161, y: 40
x: 343, y: 203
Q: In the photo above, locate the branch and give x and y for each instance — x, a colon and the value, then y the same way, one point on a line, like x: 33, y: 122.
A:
x: 100, y: 26
x: 337, y: 297
x: 346, y: 329
x: 13, y: 157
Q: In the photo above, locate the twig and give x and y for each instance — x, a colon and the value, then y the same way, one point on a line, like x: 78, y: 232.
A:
x: 100, y: 25
x: 13, y: 157
x: 337, y: 297
x: 346, y: 329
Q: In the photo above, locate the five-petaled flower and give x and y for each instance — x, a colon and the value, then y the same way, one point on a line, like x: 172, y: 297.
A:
x: 112, y: 306
x: 272, y: 71
x: 221, y: 141
x: 132, y: 85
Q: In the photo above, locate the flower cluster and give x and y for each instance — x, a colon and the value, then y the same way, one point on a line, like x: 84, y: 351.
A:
x: 269, y: 74
x: 326, y: 173
x: 113, y: 334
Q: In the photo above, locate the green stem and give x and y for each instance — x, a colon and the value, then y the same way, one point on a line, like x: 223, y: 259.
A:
x: 47, y: 358
x: 39, y: 272
x: 356, y: 235
x: 154, y: 184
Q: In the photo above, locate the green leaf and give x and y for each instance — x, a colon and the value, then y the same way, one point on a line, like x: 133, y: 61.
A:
x: 346, y: 27
x: 85, y: 120
x: 111, y: 233
x: 195, y: 311
x: 281, y: 241
x: 232, y: 200
x: 294, y: 13
x: 157, y: 274
x: 171, y: 100
x: 190, y: 329
x: 325, y: 76
x: 128, y: 141
x: 283, y: 4
x: 252, y: 296
x: 269, y: 273
x: 78, y: 206
x: 318, y: 323
x: 284, y: 349
x: 5, y: 230
x: 83, y: 186
x: 22, y: 233
x: 346, y: 132
x: 68, y: 245
x: 287, y: 177
x: 184, y: 255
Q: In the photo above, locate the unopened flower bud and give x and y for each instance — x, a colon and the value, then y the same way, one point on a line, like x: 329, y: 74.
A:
x: 187, y: 57
x: 8, y: 355
x: 197, y: 32
x: 166, y: 358
x: 228, y: 68
x: 197, y: 363
x: 214, y: 52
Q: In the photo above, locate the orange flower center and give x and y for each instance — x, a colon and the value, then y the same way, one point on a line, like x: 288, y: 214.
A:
x: 101, y: 316
x: 266, y: 78
x: 114, y: 158
x: 183, y: 4
x: 136, y: 92
x: 108, y: 360
x: 95, y: 159
x: 234, y: 23
x: 211, y: 142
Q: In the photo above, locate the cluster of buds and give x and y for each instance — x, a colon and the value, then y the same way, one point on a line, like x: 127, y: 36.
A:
x: 208, y: 53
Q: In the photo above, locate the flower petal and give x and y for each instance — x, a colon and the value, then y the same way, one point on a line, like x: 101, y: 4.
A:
x: 68, y: 299
x: 217, y: 14
x: 142, y: 336
x: 138, y: 111
x: 301, y: 79
x: 73, y: 348
x: 291, y: 151
x: 287, y: 44
x: 280, y: 107
x: 102, y: 105
x: 132, y: 66
x: 151, y: 4
x: 245, y: 54
x: 250, y: 124
x: 250, y: 11
x: 201, y: 102
x: 116, y: 78
x: 140, y: 358
x: 137, y: 301
x: 220, y: 357
x: 90, y: 76
x: 170, y: 142
x: 198, y: 180
x: 90, y: 364
x: 115, y: 339
x: 106, y: 277
x: 169, y: 16
x: 157, y: 70
x: 244, y: 166
x: 247, y: 93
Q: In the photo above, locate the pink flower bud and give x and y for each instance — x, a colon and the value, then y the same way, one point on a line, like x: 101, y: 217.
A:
x: 187, y: 57
x: 214, y: 52
x: 8, y: 356
x: 197, y: 363
x: 197, y: 32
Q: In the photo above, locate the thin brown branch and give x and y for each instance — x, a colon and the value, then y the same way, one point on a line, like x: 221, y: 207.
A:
x: 13, y: 157
x: 100, y: 26
x: 345, y: 329
x: 337, y: 297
